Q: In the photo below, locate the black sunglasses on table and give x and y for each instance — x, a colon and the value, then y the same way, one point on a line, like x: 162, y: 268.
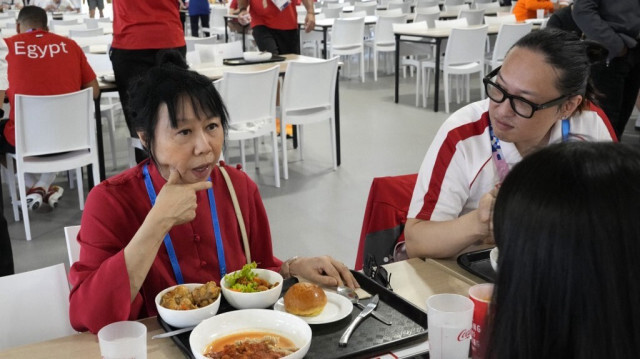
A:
x: 376, y: 272
x: 521, y: 106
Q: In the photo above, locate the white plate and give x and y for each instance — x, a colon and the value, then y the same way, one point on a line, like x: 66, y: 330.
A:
x: 257, y: 56
x: 236, y: 321
x: 337, y: 308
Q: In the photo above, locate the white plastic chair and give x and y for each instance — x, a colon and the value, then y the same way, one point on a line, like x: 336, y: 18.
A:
x: 331, y: 12
x: 400, y: 4
x: 506, y: 19
x: 384, y: 40
x: 53, y: 23
x: 59, y: 126
x: 456, y: 8
x: 361, y: 14
x: 450, y: 24
x: 392, y: 12
x: 347, y: 38
x: 412, y: 53
x: 464, y: 55
x: 487, y: 6
x: 217, y: 24
x: 63, y: 30
x: 35, y: 307
x: 110, y: 105
x: 254, y: 117
x: 208, y: 52
x: 191, y: 41
x: 86, y: 32
x: 73, y: 247
x: 301, y: 104
x: 453, y: 3
x: 430, y: 15
x: 368, y: 7
x: 474, y: 17
x: 508, y: 35
x: 426, y: 3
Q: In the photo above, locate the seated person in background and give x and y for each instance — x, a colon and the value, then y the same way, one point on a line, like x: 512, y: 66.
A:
x: 124, y: 264
x: 527, y: 9
x: 540, y: 95
x: 30, y: 74
x: 566, y: 223
x: 12, y: 4
x: 57, y: 5
x: 562, y: 19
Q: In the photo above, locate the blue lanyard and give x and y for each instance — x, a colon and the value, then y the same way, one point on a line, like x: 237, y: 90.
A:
x: 167, y: 239
x: 498, y: 157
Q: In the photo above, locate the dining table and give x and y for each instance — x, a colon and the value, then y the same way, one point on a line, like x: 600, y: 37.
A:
x: 413, y: 280
x: 213, y: 72
x: 323, y: 25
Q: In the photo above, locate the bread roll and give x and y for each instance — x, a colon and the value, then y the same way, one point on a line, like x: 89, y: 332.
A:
x: 305, y: 299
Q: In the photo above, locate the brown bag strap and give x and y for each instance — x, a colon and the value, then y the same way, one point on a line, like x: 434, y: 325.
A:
x: 236, y: 206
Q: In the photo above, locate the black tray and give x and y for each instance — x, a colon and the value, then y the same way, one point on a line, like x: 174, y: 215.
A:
x: 241, y: 61
x: 478, y: 263
x: 369, y: 339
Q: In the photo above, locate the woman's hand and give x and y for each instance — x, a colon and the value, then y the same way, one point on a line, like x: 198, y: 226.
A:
x: 177, y: 202
x: 323, y: 270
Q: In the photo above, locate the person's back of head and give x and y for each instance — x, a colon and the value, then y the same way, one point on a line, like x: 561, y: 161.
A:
x: 566, y: 222
x: 32, y: 17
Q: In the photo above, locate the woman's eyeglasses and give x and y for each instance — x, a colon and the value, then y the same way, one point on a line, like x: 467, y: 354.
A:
x: 523, y: 107
x: 378, y: 273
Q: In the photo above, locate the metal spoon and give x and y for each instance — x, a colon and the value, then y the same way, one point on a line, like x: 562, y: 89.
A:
x: 353, y: 297
x: 172, y: 333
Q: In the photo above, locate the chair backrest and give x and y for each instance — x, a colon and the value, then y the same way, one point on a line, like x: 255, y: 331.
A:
x: 35, y: 306
x: 8, y: 32
x: 456, y: 8
x: 207, y: 52
x: 396, y: 11
x: 429, y: 17
x: 368, y: 7
x: 416, y: 25
x: 384, y: 28
x: 296, y: 92
x: 453, y: 2
x: 450, y: 24
x: 73, y: 247
x: 347, y: 32
x: 488, y: 5
x: 331, y: 12
x: 86, y: 32
x: 399, y: 4
x: 63, y: 30
x: 474, y: 17
x: 192, y: 41
x: 336, y: 5
x: 100, y: 63
x: 508, y: 35
x: 53, y: 23
x: 353, y: 14
x: 217, y: 16
x: 92, y: 23
x: 426, y: 3
x: 506, y: 19
x: 93, y: 40
x: 54, y: 124
x: 466, y: 45
x: 234, y: 92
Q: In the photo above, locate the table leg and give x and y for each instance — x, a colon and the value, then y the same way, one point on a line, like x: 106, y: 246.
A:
x: 336, y: 107
x: 226, y: 34
x: 325, y: 55
x: 397, y: 54
x: 244, y: 42
x: 99, y: 144
x: 436, y: 77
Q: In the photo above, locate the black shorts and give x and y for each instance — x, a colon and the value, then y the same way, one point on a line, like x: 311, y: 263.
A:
x: 277, y: 42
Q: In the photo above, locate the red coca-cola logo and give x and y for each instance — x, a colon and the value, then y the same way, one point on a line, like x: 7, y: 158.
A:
x: 465, y: 334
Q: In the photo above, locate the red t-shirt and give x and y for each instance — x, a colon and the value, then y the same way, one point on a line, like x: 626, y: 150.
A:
x: 146, y: 24
x: 43, y: 63
x: 271, y: 17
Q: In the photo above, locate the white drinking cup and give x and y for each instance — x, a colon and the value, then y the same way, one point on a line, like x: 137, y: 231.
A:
x: 123, y: 340
x: 449, y: 321
x: 540, y: 13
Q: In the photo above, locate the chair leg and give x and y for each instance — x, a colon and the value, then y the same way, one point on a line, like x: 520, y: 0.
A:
x: 11, y: 181
x: 80, y: 187
x: 418, y: 83
x: 283, y: 139
x: 256, y: 154
x: 332, y: 133
x: 362, y: 65
x: 375, y: 65
x: 23, y: 203
x: 276, y: 166
x: 242, y: 155
x: 300, y: 142
x: 445, y: 78
x: 112, y: 139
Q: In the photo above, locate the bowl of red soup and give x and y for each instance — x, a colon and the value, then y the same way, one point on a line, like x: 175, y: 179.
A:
x: 262, y: 331
x: 251, y: 287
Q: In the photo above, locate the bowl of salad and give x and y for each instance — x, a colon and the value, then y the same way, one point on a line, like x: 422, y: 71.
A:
x: 251, y: 287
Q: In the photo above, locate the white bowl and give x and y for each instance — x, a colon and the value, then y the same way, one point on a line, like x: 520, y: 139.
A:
x: 256, y: 56
x: 493, y: 257
x: 186, y: 318
x: 285, y: 324
x: 256, y: 300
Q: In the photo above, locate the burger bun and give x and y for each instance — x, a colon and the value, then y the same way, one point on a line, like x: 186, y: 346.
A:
x: 305, y: 299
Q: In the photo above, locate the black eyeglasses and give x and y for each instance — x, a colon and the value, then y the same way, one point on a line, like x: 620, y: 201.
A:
x: 378, y: 273
x: 523, y: 107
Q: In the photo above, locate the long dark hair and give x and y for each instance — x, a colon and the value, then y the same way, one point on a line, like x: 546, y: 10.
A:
x: 571, y: 57
x: 566, y: 222
x: 171, y: 82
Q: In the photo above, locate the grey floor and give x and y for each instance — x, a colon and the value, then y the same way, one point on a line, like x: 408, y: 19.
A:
x: 317, y: 210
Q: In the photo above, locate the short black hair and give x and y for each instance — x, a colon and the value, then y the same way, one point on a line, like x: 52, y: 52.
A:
x: 566, y: 223
x: 170, y: 83
x: 33, y: 16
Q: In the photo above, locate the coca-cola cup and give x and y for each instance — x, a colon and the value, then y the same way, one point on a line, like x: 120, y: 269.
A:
x: 449, y: 320
x: 480, y: 294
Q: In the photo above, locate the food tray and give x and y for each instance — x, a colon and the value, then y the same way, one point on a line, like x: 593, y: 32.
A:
x: 241, y: 61
x: 370, y: 338
x: 478, y: 263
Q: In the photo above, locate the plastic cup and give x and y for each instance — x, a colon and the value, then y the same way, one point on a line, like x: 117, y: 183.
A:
x: 449, y: 319
x: 540, y: 13
x: 480, y: 294
x: 123, y: 340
